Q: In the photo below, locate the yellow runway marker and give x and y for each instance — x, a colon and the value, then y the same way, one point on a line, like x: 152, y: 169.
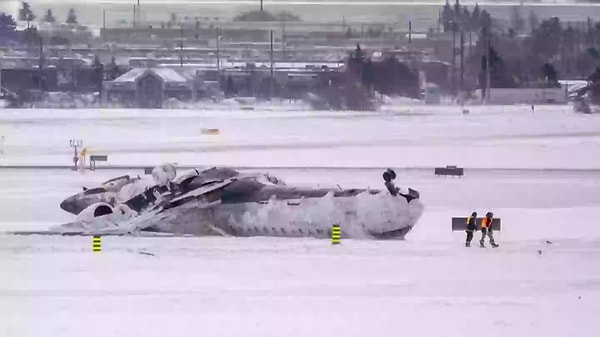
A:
x: 336, y: 235
x: 97, y: 244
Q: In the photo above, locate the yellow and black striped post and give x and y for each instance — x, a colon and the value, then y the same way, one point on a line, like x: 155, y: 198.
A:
x: 336, y: 234
x: 97, y: 244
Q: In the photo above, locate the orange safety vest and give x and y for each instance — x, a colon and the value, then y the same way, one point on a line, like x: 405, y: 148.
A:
x: 485, y: 224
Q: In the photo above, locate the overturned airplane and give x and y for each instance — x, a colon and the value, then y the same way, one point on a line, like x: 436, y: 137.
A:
x: 587, y: 99
x: 225, y: 202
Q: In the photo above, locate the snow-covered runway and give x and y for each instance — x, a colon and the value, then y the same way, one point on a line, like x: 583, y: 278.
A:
x: 428, y: 285
x: 412, y: 136
x: 294, y: 287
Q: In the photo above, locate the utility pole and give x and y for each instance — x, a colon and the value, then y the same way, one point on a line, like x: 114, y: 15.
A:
x: 453, y: 75
x: 41, y: 64
x: 488, y: 81
x: 409, y: 31
x: 104, y: 24
x: 261, y: 5
x: 218, y: 55
x: 283, y: 35
x: 272, y: 65
x: 134, y: 12
x: 470, y: 44
x: 462, y: 63
x: 181, y: 48
x: 139, y: 13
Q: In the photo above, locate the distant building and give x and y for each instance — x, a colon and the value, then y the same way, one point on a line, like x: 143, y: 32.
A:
x: 525, y: 95
x: 150, y: 88
x: 23, y: 80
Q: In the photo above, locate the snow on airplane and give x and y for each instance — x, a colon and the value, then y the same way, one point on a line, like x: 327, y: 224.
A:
x: 225, y: 202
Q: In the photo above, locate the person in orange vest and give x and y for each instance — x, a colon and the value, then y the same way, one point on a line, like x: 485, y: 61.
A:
x: 471, y: 228
x: 486, y: 229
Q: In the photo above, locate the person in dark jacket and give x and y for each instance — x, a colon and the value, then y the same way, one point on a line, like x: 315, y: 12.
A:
x: 388, y: 177
x: 471, y: 228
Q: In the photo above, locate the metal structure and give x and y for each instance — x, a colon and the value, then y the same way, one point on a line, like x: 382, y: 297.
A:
x: 95, y: 158
x: 462, y: 63
x: 460, y: 224
x: 181, y: 48
x: 449, y: 171
x: 218, y: 53
x: 272, y: 66
x: 75, y: 143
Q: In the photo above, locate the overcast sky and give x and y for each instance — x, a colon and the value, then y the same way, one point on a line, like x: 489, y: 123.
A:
x: 46, y: 2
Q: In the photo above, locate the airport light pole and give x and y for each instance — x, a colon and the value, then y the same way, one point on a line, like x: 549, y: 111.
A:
x: 283, y: 35
x: 75, y: 143
x: 41, y: 64
x: 181, y: 48
x: 272, y: 65
x: 462, y: 63
x: 488, y: 81
x: 453, y: 72
x: 218, y: 52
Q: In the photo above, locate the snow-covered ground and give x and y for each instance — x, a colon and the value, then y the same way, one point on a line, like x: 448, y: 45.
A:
x: 552, y: 137
x: 539, y: 172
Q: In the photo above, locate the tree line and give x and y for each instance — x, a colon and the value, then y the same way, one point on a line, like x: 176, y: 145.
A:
x: 528, y: 51
x: 26, y: 14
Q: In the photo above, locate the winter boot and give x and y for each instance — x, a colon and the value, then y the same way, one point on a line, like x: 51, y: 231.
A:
x: 495, y: 245
x: 468, y: 244
x: 481, y: 244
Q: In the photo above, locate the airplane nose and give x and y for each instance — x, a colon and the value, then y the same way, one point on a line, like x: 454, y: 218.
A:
x: 67, y: 205
x: 70, y: 205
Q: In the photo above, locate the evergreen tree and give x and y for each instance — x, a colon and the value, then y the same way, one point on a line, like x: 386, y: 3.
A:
x: 533, y: 21
x: 8, y: 28
x: 7, y: 24
x: 31, y: 35
x: 113, y: 70
x: 475, y: 21
x: 548, y: 38
x: 230, y: 87
x: 72, y: 17
x: 25, y: 13
x: 485, y: 21
x: 349, y: 33
x: 465, y: 19
x: 517, y: 20
x: 447, y: 17
x: 98, y: 76
x: 49, y: 17
x: 550, y: 74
